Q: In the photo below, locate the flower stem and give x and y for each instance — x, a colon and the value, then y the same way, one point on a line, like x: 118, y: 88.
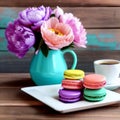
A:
x: 40, y: 44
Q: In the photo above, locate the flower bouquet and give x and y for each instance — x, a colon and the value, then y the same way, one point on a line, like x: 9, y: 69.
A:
x: 44, y: 28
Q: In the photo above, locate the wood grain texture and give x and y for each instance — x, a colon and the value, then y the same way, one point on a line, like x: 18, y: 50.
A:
x: 91, y: 17
x: 44, y: 112
x: 10, y: 87
x: 69, y: 3
x: 102, y: 25
x: 9, y: 63
x: 16, y: 105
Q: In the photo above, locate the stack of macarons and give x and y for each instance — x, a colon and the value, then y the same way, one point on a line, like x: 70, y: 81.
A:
x: 71, y: 86
x: 94, y: 87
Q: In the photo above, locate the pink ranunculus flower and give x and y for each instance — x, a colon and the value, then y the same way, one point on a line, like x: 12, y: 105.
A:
x: 55, y: 34
x: 81, y: 37
x: 78, y: 30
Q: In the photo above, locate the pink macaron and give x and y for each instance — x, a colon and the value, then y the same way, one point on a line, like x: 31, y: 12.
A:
x: 94, y: 81
x: 72, y: 84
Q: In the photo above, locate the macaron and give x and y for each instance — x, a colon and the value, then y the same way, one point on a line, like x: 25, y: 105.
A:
x: 73, y: 74
x: 72, y: 84
x: 94, y: 81
x: 94, y: 95
x: 69, y: 96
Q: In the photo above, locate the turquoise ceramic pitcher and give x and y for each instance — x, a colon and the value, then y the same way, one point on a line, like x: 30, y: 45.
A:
x: 50, y: 70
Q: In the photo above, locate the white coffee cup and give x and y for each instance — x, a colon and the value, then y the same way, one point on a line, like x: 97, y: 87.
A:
x: 110, y: 68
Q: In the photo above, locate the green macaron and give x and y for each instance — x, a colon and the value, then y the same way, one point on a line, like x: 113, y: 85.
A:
x: 94, y: 95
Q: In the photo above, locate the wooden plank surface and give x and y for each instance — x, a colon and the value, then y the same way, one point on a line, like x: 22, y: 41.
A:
x: 9, y: 63
x: 103, y: 24
x: 46, y: 113
x: 16, y: 105
x: 10, y: 90
x: 69, y: 3
x: 91, y: 17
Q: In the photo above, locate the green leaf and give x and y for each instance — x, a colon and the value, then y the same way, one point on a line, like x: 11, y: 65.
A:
x: 52, y: 15
x: 45, y: 49
x: 38, y: 40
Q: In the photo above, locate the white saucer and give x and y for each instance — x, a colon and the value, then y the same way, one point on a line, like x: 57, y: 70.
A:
x: 113, y: 86
x: 49, y: 95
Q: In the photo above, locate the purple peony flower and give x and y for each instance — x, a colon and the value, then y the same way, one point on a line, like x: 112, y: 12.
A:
x: 35, y: 16
x: 77, y: 27
x: 20, y: 39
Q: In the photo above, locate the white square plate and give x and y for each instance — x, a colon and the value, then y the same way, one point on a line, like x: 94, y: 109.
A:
x: 49, y: 95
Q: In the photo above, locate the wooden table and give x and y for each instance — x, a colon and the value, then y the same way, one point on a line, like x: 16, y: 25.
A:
x: 15, y: 104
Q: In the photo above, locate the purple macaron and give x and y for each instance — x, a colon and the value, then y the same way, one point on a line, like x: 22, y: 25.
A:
x: 69, y: 96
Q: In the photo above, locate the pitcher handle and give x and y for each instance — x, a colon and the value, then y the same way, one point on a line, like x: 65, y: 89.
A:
x: 74, y: 57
